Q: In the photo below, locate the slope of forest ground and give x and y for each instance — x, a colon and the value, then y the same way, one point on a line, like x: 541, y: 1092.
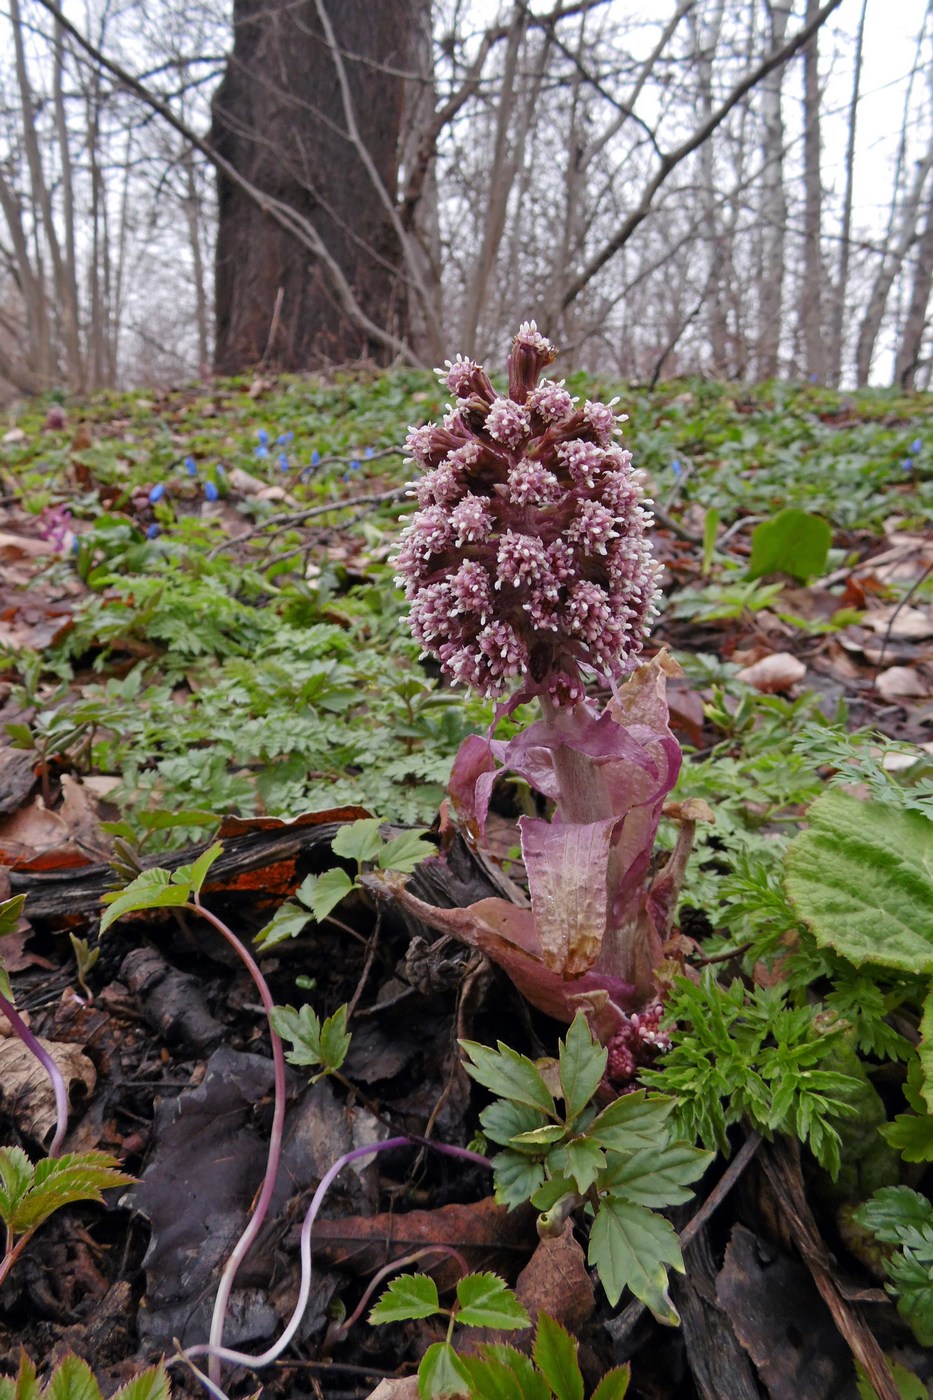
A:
x: 201, y: 639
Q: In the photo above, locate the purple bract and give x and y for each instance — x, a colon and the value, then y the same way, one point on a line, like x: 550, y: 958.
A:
x: 527, y: 564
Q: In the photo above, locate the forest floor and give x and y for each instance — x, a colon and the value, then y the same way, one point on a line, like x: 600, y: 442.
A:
x: 199, y: 640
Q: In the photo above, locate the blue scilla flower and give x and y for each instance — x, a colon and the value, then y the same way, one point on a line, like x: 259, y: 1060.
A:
x: 263, y: 437
x: 191, y: 466
x: 220, y: 469
x: 315, y: 458
x: 908, y: 464
x: 368, y: 452
x: 152, y: 532
x: 262, y: 450
x: 676, y: 468
x: 285, y: 438
x: 210, y: 491
x: 916, y: 446
x: 157, y: 492
x: 355, y: 465
x: 283, y: 461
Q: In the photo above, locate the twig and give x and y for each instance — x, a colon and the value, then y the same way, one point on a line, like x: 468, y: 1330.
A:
x: 291, y: 519
x: 906, y: 599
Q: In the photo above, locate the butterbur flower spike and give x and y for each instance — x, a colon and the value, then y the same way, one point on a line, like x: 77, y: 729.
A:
x: 527, y: 566
x: 529, y: 573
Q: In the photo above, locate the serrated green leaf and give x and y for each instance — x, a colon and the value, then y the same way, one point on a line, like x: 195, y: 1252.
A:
x: 404, y: 853
x: 516, y: 1177
x: 442, y: 1373
x: 582, y: 1065
x: 633, y: 1121
x: 552, y: 1191
x: 508, y: 1074
x: 16, y: 1177
x: 504, y: 1123
x: 408, y: 1296
x: 11, y: 911
x: 335, y: 1040
x: 539, y: 1138
x: 861, y: 876
x: 582, y: 1161
x: 197, y: 873
x: 911, y: 1134
x: 792, y: 542
x: 909, y: 1386
x: 53, y: 1182
x: 359, y: 840
x: 327, y: 892
x: 302, y: 1030
x: 25, y: 1386
x: 925, y: 1048
x: 151, y: 1384
x: 614, y: 1384
x: 658, y: 1177
x: 486, y: 1301
x: 532, y: 1385
x: 288, y: 921
x: 493, y: 1380
x: 912, y: 1280
x: 153, y: 889
x: 631, y: 1247
x: 895, y: 1214
x: 72, y: 1379
x: 555, y: 1355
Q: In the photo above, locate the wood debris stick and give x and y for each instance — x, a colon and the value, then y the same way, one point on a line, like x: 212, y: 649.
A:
x: 781, y: 1163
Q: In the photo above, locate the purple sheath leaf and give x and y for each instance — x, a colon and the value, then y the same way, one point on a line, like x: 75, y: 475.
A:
x: 567, y: 865
x: 507, y: 935
x: 471, y: 780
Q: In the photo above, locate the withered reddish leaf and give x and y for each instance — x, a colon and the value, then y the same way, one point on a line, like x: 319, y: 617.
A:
x: 487, y: 1235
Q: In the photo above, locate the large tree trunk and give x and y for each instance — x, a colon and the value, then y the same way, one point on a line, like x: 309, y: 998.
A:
x: 292, y: 116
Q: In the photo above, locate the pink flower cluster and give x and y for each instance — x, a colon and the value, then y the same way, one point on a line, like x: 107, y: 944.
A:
x: 636, y: 1042
x: 527, y: 562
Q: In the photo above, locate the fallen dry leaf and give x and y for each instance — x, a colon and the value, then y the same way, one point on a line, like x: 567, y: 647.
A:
x: 907, y: 624
x: 405, y: 1389
x: 488, y: 1236
x: 774, y: 673
x: 37, y: 838
x: 24, y: 1085
x: 901, y: 682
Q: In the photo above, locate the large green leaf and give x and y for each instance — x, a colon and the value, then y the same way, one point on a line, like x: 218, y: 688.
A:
x: 792, y: 542
x: 631, y: 1247
x: 861, y: 875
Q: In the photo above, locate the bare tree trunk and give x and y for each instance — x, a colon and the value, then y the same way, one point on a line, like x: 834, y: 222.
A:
x: 910, y: 340
x: 280, y: 121
x: 69, y: 271
x: 812, y: 295
x: 500, y: 185
x: 62, y: 280
x: 773, y: 206
x: 894, y: 249
x: 192, y: 206
x: 706, y: 35
x: 845, y: 240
